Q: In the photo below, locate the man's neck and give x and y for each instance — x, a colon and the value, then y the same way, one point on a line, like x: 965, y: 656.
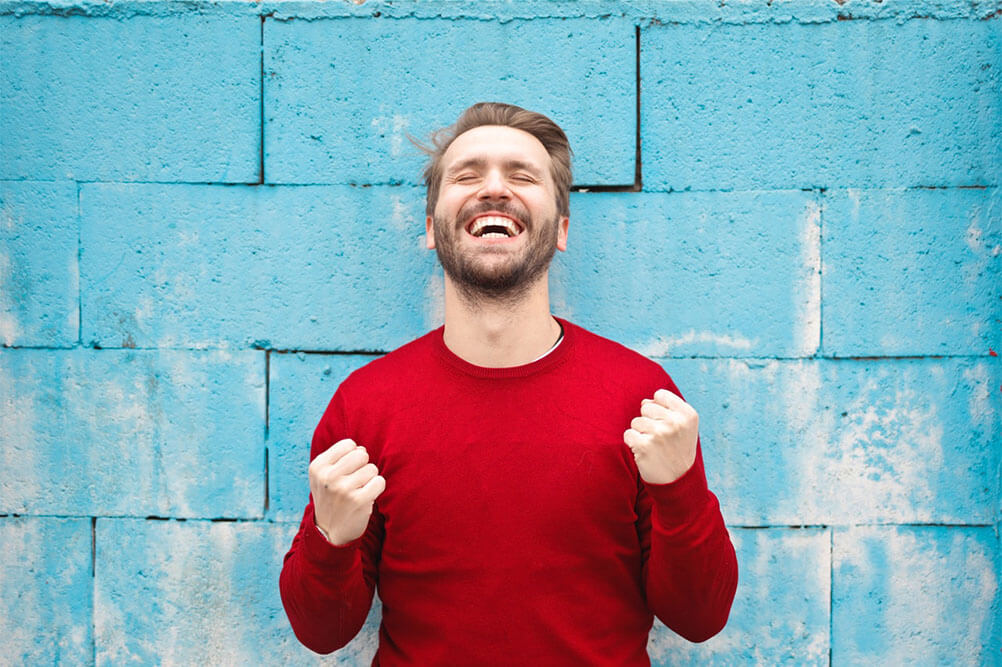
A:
x: 500, y: 334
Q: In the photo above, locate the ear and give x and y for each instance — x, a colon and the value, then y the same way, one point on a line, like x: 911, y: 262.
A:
x: 562, y: 233
x: 429, y: 233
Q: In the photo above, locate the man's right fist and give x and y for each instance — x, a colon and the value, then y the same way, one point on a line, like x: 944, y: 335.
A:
x: 344, y: 486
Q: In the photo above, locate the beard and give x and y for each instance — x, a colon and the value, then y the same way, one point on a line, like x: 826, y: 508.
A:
x: 502, y: 281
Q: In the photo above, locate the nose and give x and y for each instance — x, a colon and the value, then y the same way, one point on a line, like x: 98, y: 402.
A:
x: 494, y: 187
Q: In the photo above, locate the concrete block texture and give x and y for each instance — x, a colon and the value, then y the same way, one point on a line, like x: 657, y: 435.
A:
x: 192, y: 592
x: 845, y: 104
x: 780, y: 569
x: 134, y: 433
x: 312, y: 268
x: 342, y: 96
x: 300, y: 387
x: 847, y: 442
x: 39, y: 273
x: 912, y: 272
x: 45, y: 591
x: 720, y: 274
x: 160, y: 98
x: 920, y: 595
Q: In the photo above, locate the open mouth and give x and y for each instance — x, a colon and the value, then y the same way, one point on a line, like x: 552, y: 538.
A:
x: 494, y: 227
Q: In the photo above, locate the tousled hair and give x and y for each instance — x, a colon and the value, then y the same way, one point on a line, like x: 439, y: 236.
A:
x: 508, y: 115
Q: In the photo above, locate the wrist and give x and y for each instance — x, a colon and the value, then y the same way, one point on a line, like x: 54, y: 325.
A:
x: 323, y: 532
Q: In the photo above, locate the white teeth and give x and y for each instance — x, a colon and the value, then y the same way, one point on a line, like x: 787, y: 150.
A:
x: 494, y: 221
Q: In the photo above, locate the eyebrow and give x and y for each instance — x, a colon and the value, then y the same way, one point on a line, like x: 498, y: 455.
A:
x: 479, y: 163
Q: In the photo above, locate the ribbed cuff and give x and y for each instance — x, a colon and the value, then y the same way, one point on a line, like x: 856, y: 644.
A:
x: 322, y: 553
x: 682, y: 500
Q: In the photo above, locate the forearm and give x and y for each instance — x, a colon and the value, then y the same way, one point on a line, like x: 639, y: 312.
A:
x: 691, y: 573
x: 324, y: 590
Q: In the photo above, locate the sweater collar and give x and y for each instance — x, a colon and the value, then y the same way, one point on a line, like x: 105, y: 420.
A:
x: 553, y: 358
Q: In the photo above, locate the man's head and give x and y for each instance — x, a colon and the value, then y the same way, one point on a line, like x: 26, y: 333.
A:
x: 542, y: 128
x: 498, y: 183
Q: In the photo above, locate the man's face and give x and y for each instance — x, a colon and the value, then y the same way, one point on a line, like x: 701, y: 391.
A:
x: 495, y: 225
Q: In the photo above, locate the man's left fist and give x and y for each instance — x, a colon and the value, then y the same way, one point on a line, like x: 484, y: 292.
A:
x: 663, y: 438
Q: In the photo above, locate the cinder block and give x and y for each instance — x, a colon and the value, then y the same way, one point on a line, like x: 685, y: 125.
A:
x: 39, y: 275
x: 300, y: 387
x: 132, y: 433
x: 342, y: 96
x: 780, y: 612
x: 844, y: 442
x: 170, y: 98
x: 916, y: 595
x: 915, y: 272
x: 337, y: 268
x: 45, y: 590
x: 838, y: 104
x: 731, y: 274
x: 195, y: 592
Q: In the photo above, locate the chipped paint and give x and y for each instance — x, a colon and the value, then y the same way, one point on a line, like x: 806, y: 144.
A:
x: 807, y: 299
x: 663, y: 346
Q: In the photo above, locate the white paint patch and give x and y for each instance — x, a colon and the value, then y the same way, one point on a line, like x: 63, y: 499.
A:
x: 402, y: 217
x: 979, y: 401
x: 396, y: 126
x: 143, y: 312
x: 881, y: 460
x: 974, y: 236
x: 928, y: 582
x: 22, y: 480
x: 853, y: 195
x: 10, y: 329
x: 434, y: 294
x: 664, y: 346
x: 807, y: 304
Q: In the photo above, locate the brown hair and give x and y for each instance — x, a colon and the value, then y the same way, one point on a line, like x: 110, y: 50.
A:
x: 496, y: 113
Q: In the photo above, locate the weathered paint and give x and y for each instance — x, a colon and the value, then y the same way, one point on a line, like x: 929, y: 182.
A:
x: 780, y: 613
x: 138, y: 98
x: 913, y: 272
x: 45, y: 591
x: 916, y: 594
x: 301, y: 386
x: 851, y: 104
x: 342, y: 97
x: 39, y: 276
x: 817, y: 196
x: 132, y: 432
x: 844, y: 442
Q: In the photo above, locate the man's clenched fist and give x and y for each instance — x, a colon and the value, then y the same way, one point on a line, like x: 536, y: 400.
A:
x: 344, y: 486
x: 663, y: 438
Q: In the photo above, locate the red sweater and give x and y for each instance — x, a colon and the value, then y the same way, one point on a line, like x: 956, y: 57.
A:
x: 514, y: 528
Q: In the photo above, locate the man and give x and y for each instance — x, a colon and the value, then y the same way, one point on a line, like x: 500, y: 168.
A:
x: 519, y: 490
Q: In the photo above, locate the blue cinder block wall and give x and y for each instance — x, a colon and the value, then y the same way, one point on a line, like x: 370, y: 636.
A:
x: 211, y: 213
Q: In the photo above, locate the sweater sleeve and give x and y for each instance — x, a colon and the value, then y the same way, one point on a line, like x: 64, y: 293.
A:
x: 690, y: 569
x: 327, y: 590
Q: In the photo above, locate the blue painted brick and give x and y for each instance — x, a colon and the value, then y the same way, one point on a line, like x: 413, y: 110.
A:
x: 132, y: 433
x: 780, y: 612
x: 39, y: 275
x: 842, y: 442
x: 135, y: 98
x: 855, y: 103
x: 342, y: 95
x: 916, y: 595
x: 730, y: 274
x: 289, y: 267
x: 300, y: 387
x: 45, y: 591
x: 912, y: 272
x: 193, y: 592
